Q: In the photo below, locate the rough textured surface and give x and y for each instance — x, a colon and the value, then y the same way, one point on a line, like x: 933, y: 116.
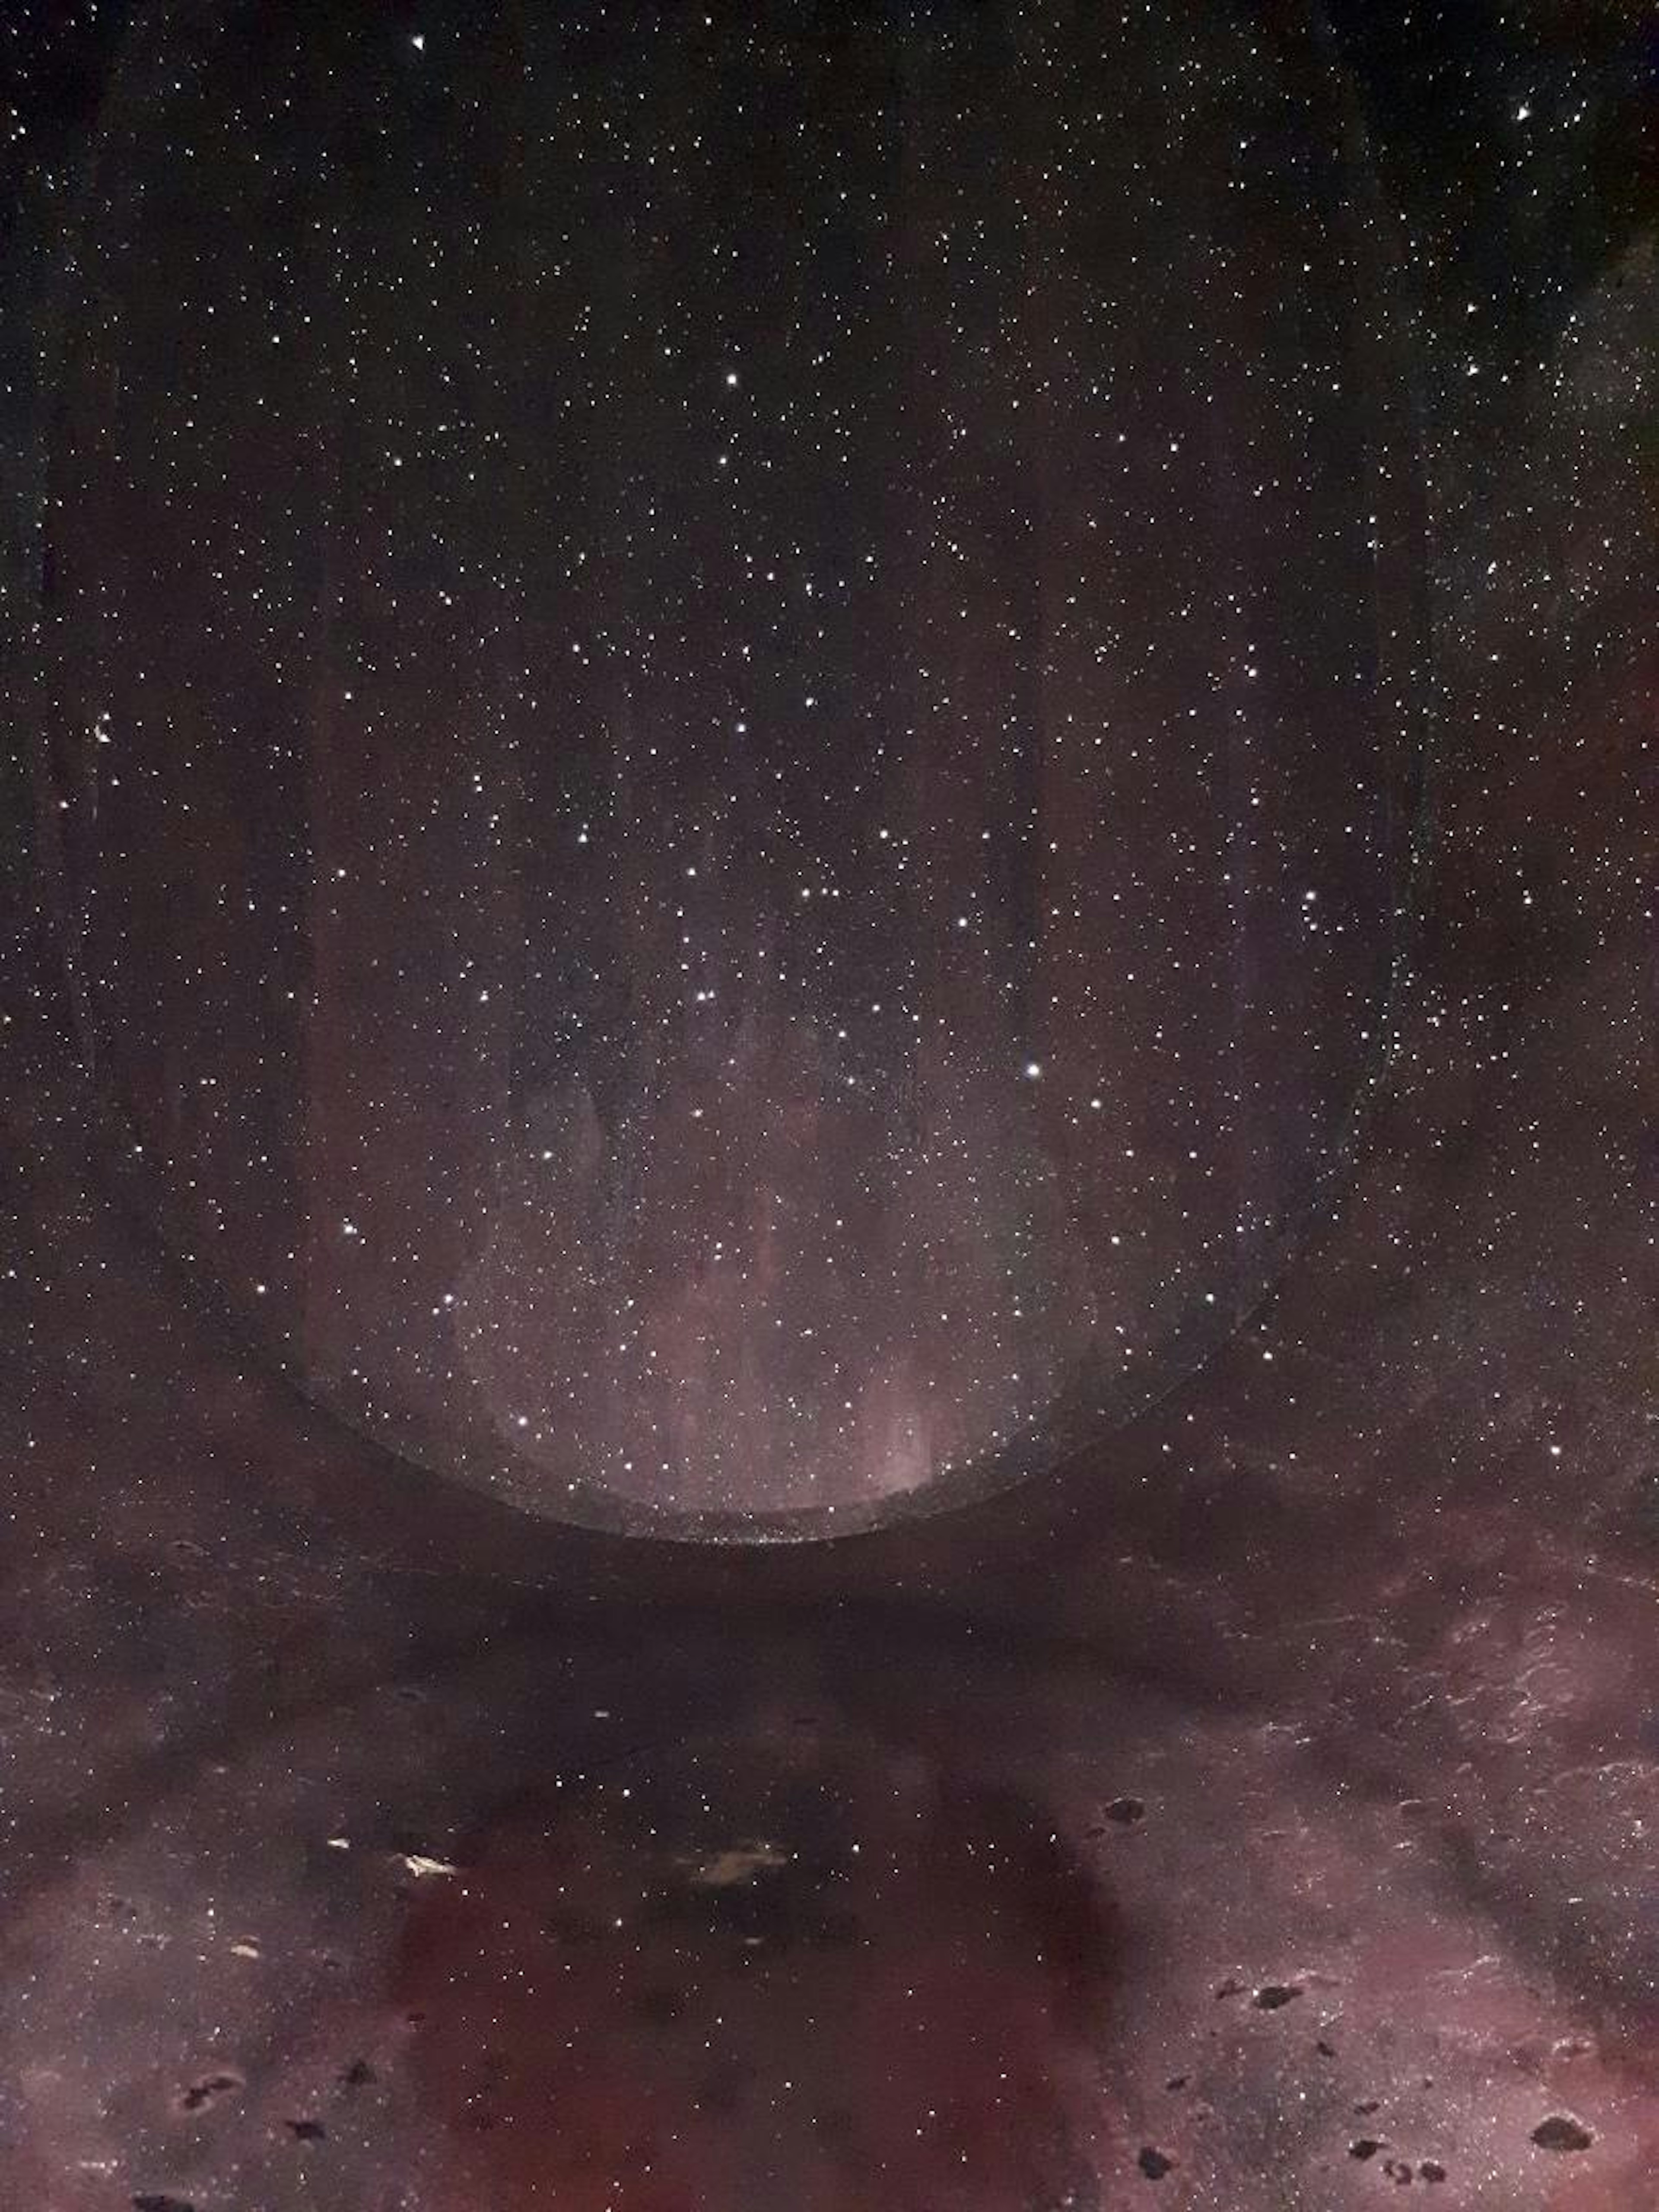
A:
x: 1257, y: 1817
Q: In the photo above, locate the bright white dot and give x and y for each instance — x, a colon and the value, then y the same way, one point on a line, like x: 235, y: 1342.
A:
x: 730, y: 375
x: 417, y: 40
x: 1033, y: 1069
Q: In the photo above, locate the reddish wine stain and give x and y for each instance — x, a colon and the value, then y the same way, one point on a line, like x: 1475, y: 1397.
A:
x: 718, y: 1980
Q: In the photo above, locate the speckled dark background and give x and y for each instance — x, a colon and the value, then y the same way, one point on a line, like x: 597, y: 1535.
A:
x: 1255, y: 1813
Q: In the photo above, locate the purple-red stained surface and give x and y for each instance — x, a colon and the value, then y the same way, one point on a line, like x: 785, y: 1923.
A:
x: 735, y: 843
x: 766, y: 1976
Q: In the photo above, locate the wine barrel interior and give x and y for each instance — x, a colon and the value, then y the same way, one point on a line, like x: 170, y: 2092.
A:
x: 737, y: 774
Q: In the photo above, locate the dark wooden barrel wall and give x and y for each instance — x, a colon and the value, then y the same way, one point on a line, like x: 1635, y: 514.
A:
x: 739, y: 814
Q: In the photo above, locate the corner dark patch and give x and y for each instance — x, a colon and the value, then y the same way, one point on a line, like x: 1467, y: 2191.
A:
x: 1432, y: 2170
x: 724, y: 2090
x: 1125, y: 1811
x: 1154, y: 2164
x: 148, y: 2201
x: 1365, y: 2148
x: 307, y: 2130
x: 1559, y: 2133
x: 358, y: 2074
x: 661, y: 2007
x: 573, y: 1927
x: 1274, y: 1995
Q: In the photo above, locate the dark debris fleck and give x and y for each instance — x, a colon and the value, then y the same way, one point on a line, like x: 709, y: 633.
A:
x: 208, y: 2091
x: 1559, y: 2133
